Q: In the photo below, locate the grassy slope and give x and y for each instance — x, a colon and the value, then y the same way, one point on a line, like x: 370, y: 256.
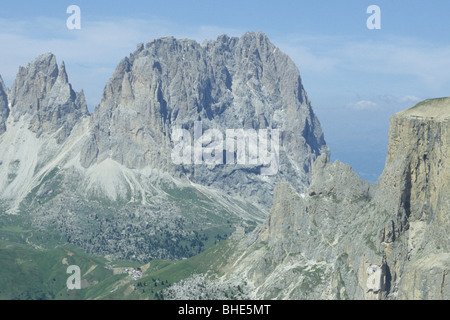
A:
x: 30, y: 272
x: 162, y: 274
x: 33, y: 264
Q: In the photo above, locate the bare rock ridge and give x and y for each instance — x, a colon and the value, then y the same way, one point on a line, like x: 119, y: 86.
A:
x: 4, y: 108
x: 42, y: 91
x: 107, y: 182
x: 415, y: 189
x: 37, y: 117
x: 346, y: 239
x: 231, y: 83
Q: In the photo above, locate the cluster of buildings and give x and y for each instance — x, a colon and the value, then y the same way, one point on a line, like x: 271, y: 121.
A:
x: 135, y: 273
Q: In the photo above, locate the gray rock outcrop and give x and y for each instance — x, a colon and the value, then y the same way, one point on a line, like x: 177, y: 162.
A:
x: 415, y: 189
x: 231, y: 83
x: 42, y: 92
x: 346, y: 239
x: 4, y: 108
x: 32, y: 85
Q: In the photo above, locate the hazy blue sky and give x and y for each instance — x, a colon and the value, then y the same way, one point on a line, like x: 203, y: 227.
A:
x: 356, y: 77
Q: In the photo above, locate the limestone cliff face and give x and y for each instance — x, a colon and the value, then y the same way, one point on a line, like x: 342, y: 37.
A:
x: 230, y: 83
x: 415, y: 189
x: 37, y: 116
x: 32, y: 84
x: 42, y: 93
x: 346, y: 239
x: 4, y: 108
x: 315, y: 245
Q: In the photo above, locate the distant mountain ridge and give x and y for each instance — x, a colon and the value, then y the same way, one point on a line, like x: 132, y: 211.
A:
x: 106, y: 181
x: 230, y: 83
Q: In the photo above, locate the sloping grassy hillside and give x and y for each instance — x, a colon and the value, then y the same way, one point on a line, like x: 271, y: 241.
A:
x: 31, y: 274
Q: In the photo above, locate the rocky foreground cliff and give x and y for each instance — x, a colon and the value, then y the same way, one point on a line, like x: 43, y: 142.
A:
x: 346, y: 239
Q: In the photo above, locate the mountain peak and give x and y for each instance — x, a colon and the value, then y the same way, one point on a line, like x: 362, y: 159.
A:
x: 32, y: 83
x: 438, y: 108
x: 62, y: 74
x: 230, y: 83
x: 42, y: 93
x: 259, y: 35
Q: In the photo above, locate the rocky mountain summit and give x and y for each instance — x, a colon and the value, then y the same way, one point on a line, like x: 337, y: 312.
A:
x: 42, y: 92
x: 231, y: 83
x: 346, y: 239
x: 108, y: 183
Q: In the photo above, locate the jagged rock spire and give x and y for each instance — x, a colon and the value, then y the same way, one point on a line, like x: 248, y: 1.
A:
x: 42, y: 93
x: 62, y: 74
x: 4, y: 108
x: 32, y: 84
